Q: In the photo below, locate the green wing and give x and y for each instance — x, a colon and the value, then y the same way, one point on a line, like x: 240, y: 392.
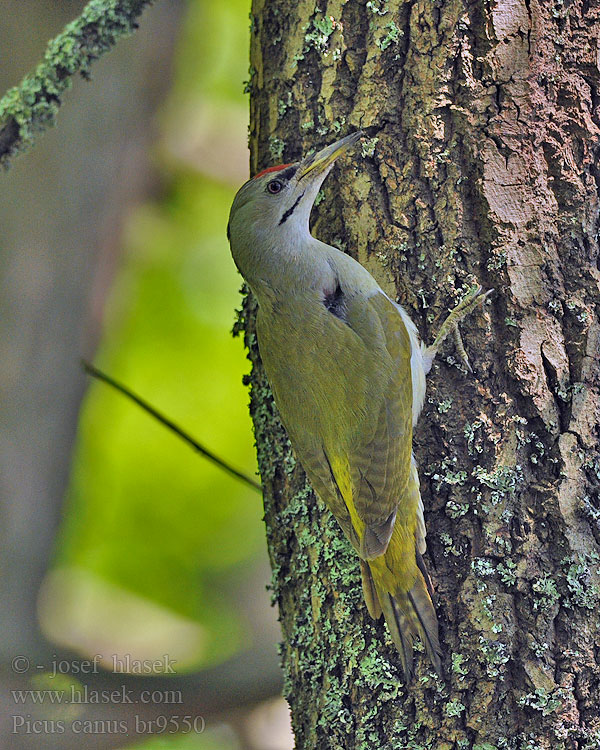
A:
x: 380, y: 456
x: 343, y: 387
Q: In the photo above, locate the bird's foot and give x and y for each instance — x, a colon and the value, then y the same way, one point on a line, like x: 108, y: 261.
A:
x: 474, y: 297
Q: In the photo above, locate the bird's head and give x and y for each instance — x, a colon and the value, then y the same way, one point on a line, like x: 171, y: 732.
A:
x: 273, y: 208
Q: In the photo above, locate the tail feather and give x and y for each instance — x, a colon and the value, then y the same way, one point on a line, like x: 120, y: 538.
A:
x: 399, y: 630
x: 425, y: 572
x: 418, y: 596
x: 409, y: 614
x: 369, y: 591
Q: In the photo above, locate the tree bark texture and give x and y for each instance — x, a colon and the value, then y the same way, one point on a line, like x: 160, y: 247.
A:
x: 480, y: 162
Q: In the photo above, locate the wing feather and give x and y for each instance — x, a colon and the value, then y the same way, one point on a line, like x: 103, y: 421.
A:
x: 344, y: 391
x: 381, y: 465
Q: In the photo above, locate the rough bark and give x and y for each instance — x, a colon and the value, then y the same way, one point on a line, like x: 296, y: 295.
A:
x: 482, y: 127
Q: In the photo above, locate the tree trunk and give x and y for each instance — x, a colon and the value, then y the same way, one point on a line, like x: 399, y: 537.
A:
x: 482, y: 133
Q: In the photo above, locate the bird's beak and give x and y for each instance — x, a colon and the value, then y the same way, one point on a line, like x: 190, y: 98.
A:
x: 316, y: 164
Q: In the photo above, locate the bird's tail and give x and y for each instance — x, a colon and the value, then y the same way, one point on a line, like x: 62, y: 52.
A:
x: 407, y: 614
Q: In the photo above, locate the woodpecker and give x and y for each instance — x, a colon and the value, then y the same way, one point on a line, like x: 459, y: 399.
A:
x: 347, y: 371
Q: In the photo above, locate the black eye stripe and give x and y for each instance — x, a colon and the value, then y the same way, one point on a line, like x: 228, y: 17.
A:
x: 288, y: 172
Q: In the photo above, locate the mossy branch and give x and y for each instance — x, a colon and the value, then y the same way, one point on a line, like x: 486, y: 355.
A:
x: 31, y: 107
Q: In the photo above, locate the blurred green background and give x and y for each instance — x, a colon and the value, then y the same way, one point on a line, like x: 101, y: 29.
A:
x: 176, y: 534
x: 158, y: 551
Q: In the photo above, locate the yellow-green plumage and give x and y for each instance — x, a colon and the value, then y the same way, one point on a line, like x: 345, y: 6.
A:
x: 344, y: 393
x: 343, y: 361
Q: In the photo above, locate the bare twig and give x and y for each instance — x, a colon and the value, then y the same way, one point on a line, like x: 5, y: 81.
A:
x: 169, y: 424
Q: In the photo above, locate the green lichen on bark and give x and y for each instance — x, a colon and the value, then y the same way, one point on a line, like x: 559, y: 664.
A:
x: 31, y: 107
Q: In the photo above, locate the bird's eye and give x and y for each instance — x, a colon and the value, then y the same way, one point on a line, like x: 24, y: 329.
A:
x: 275, y: 186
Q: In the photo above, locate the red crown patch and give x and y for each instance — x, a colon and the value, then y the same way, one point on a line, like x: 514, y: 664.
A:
x: 271, y: 169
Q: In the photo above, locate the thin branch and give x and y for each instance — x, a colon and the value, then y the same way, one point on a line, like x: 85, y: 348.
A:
x: 169, y: 424
x: 31, y: 107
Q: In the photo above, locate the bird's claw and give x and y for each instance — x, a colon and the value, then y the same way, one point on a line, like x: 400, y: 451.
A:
x: 474, y: 297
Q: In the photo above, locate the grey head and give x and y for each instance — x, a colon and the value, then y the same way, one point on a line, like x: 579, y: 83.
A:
x: 270, y: 213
